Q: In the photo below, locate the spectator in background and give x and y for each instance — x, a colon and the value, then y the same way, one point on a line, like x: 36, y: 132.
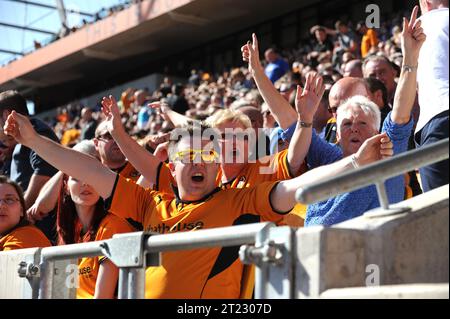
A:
x: 369, y: 42
x: 346, y: 38
x: 7, y: 146
x: 353, y: 69
x: 16, y: 232
x: 276, y: 66
x: 177, y: 100
x: 28, y: 169
x: 323, y: 43
x: 433, y: 86
x: 144, y: 113
x: 379, y: 96
x: 87, y: 124
x: 111, y: 155
x: 166, y: 87
x: 381, y: 68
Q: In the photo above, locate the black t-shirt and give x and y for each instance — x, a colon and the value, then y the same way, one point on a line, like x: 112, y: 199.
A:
x: 178, y: 103
x: 25, y: 162
x: 327, y: 45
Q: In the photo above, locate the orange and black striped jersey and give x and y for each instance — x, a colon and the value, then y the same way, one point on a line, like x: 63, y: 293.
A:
x: 24, y: 237
x: 88, y: 267
x: 128, y: 171
x: 199, y: 273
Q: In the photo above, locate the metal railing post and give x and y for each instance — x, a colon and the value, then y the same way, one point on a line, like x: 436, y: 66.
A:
x: 136, y: 283
x: 382, y: 195
x: 123, y: 283
x: 46, y: 279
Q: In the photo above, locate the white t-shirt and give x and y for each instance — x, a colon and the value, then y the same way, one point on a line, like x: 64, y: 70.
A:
x: 433, y: 71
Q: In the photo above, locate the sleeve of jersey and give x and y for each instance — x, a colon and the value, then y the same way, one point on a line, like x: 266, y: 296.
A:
x: 114, y: 225
x: 164, y: 179
x: 283, y: 170
x: 129, y: 200
x: 256, y: 201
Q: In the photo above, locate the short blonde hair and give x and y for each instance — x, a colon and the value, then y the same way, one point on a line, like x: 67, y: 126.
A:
x: 228, y: 115
x: 366, y: 105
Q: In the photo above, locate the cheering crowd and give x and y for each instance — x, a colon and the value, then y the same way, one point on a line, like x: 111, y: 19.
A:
x: 227, y: 149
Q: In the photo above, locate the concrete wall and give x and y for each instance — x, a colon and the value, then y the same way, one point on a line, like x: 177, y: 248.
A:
x: 403, y: 248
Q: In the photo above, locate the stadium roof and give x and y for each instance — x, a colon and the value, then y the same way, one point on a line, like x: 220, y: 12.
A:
x: 144, y: 32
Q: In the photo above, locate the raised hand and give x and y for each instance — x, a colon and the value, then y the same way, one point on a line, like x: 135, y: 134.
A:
x: 308, y: 99
x: 112, y: 113
x: 375, y: 148
x: 250, y: 54
x: 412, y: 36
x: 19, y: 127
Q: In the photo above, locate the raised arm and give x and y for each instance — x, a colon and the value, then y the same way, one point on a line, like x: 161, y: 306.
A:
x: 413, y: 38
x: 47, y: 199
x: 282, y: 111
x: 373, y: 149
x: 73, y: 163
x: 168, y: 114
x: 145, y: 162
x: 306, y: 103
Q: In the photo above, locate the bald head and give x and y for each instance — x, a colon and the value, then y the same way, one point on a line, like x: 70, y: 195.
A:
x: 270, y: 55
x: 344, y: 89
x: 353, y: 69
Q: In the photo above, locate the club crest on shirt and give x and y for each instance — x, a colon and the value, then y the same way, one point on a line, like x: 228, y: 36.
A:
x: 241, y: 182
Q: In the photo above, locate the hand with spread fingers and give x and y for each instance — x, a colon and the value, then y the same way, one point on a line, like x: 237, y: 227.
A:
x: 308, y: 99
x: 112, y: 113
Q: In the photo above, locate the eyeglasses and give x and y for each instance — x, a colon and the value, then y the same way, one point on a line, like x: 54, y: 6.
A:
x: 9, y: 201
x: 105, y: 137
x: 190, y: 156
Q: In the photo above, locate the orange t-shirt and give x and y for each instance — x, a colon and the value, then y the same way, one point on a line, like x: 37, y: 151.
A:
x: 368, y: 41
x: 88, y: 267
x: 24, y: 237
x: 197, y: 273
x: 128, y: 171
x: 267, y: 169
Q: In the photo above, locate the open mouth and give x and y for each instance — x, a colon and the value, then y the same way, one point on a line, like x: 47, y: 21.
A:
x: 86, y: 193
x: 198, y: 177
x: 355, y: 140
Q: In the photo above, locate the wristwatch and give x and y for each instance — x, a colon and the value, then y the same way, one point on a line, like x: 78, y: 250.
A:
x: 409, y: 68
x: 304, y: 124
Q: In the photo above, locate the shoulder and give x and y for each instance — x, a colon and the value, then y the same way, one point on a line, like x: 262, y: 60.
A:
x: 26, y: 237
x: 112, y: 224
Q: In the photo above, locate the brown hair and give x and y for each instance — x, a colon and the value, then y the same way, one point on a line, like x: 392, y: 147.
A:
x: 23, y: 219
x: 67, y: 218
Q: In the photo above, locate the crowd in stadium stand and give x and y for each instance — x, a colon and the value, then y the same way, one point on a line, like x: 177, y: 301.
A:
x: 277, y: 123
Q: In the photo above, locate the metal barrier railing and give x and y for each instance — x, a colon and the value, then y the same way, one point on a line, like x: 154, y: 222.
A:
x: 133, y: 252
x: 376, y: 173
